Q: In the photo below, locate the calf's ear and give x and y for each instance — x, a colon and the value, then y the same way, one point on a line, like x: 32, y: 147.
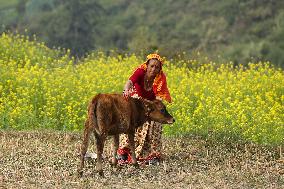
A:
x: 145, y: 101
x: 159, y: 104
x: 148, y: 104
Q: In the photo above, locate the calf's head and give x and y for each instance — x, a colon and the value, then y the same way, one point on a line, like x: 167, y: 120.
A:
x: 157, y: 111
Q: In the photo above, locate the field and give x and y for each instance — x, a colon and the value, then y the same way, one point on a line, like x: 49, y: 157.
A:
x: 43, y: 88
x: 228, y: 132
x: 49, y: 160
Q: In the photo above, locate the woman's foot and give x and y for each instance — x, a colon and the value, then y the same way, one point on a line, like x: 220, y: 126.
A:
x: 123, y: 156
x: 152, y: 159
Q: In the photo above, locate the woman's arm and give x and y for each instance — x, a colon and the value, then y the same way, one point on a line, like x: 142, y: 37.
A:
x: 128, y: 85
x: 134, y: 78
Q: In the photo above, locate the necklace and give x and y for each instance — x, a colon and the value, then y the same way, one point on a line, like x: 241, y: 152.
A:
x: 148, y: 83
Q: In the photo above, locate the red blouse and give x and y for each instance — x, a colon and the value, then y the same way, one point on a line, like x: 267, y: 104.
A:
x: 137, y: 79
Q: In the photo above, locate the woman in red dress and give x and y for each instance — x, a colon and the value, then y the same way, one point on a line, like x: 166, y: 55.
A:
x: 148, y: 81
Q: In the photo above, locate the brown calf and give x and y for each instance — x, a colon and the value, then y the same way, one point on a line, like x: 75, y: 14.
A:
x: 111, y: 114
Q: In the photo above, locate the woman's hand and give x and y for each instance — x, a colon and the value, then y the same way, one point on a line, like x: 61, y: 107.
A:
x: 126, y: 94
x: 159, y: 98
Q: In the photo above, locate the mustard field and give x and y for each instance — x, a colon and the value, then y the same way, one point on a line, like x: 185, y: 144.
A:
x: 43, y: 88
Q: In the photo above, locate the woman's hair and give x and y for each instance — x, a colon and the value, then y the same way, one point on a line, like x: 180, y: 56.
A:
x: 147, y: 62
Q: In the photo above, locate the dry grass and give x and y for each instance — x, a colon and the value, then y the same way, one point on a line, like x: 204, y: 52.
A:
x: 49, y: 159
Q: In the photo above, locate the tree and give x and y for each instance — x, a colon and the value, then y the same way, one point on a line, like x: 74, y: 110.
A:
x: 72, y: 25
x: 143, y: 40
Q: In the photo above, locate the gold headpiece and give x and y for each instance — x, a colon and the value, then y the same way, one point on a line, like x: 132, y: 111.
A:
x: 151, y: 56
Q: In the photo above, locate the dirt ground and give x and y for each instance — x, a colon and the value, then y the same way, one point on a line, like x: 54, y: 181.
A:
x: 49, y: 159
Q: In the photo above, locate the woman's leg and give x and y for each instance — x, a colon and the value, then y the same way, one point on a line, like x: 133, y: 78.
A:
x: 139, y: 139
x: 148, y: 143
x: 153, y: 142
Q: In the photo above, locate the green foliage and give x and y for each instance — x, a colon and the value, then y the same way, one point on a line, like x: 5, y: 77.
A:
x: 236, y: 30
x: 43, y: 88
x: 71, y: 25
x: 4, y: 4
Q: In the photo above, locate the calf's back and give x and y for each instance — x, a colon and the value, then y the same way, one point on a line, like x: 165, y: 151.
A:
x: 112, y: 114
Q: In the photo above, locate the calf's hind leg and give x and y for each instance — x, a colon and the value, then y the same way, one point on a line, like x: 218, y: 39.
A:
x: 84, y: 147
x: 100, y: 141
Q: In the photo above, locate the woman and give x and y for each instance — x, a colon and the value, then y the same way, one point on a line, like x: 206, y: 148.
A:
x: 148, y: 81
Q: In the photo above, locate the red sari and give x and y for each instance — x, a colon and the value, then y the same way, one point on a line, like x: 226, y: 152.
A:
x: 148, y: 144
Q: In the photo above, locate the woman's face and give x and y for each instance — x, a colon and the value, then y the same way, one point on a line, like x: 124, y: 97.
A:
x: 153, y: 68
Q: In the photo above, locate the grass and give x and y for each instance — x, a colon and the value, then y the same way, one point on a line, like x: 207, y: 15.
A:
x: 49, y: 159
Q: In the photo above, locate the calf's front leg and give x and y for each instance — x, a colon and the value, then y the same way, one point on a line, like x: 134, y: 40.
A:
x: 132, y: 148
x: 115, y: 148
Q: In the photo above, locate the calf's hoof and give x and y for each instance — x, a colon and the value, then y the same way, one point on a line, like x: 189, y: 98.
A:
x: 135, y: 165
x: 101, y: 173
x: 113, y: 162
x: 80, y: 173
x: 113, y: 165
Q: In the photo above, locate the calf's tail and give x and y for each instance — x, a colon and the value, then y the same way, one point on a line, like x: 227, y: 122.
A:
x: 90, y: 125
x: 92, y: 114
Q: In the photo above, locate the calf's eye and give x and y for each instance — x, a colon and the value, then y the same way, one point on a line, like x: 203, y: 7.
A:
x: 163, y: 111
